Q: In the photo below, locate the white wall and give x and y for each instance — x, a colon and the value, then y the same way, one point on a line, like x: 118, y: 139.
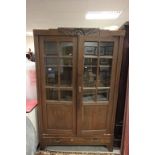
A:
x: 33, y: 114
x: 29, y: 43
x: 34, y: 119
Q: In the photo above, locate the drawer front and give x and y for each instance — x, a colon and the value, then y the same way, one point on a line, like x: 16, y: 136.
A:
x: 77, y: 141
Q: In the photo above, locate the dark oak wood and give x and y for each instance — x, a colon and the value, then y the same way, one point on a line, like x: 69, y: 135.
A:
x: 97, y: 118
x: 57, y: 116
x: 78, y: 31
x: 77, y: 122
x: 57, y: 33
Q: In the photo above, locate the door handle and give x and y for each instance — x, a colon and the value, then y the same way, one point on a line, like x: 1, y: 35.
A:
x: 80, y: 89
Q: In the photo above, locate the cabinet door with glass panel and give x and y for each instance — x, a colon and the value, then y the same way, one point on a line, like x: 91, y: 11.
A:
x: 96, y: 84
x: 58, y: 83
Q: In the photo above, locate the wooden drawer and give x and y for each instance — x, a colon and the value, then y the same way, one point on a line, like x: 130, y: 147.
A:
x: 77, y: 141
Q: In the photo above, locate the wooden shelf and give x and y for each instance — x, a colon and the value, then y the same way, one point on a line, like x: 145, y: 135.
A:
x: 106, y: 66
x: 59, y: 102
x: 61, y: 87
x: 106, y: 57
x: 90, y: 56
x: 58, y: 65
x: 89, y: 88
x: 103, y: 87
x: 90, y: 65
x: 50, y: 56
x: 86, y: 88
x: 95, y: 103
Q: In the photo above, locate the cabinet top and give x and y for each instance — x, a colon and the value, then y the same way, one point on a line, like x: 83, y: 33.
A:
x: 78, y: 32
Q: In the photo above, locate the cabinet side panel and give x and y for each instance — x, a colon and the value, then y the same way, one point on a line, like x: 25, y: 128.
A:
x: 115, y: 97
x: 39, y: 109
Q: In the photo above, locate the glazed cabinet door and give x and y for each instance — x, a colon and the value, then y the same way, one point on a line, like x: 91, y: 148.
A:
x: 58, y: 77
x: 96, y: 70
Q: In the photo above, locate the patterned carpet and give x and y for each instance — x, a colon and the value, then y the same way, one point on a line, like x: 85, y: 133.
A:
x: 72, y: 153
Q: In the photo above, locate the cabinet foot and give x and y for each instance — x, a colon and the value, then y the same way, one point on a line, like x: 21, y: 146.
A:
x: 42, y: 146
x: 110, y: 148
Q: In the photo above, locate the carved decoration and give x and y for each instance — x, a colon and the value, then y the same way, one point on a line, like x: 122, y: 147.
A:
x: 78, y: 31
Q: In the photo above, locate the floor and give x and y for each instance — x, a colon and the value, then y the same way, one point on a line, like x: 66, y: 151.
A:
x: 81, y: 148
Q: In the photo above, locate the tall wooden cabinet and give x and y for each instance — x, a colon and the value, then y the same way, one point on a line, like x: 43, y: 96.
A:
x: 77, y: 82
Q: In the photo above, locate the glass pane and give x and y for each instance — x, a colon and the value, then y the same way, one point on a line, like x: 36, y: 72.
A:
x: 65, y: 95
x: 51, y: 61
x: 103, y: 95
x: 106, y: 48
x: 66, y: 76
x: 90, y: 61
x: 51, y: 76
x: 89, y: 95
x: 90, y: 48
x: 51, y: 94
x: 66, y: 61
x: 89, y: 76
x: 104, y: 76
x: 66, y: 49
x: 107, y: 62
x: 50, y: 48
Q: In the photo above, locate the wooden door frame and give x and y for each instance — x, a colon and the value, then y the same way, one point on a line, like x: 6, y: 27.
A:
x: 46, y: 103
x: 114, y: 74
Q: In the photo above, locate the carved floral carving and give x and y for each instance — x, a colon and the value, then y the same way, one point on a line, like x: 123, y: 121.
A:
x: 78, y: 31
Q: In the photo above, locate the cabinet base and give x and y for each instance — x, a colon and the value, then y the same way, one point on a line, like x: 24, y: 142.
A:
x: 84, y: 141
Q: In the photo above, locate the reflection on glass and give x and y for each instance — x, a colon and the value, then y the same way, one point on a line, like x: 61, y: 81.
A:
x: 65, y: 95
x: 106, y: 48
x: 90, y: 61
x: 51, y: 94
x: 51, y: 61
x: 89, y: 76
x: 89, y: 95
x: 66, y: 76
x: 104, y: 76
x: 50, y: 48
x: 66, y: 61
x: 51, y: 76
x: 107, y: 62
x: 103, y: 95
x: 66, y: 49
x: 90, y: 48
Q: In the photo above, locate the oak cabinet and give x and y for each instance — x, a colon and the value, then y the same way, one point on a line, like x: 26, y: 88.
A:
x: 77, y: 82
